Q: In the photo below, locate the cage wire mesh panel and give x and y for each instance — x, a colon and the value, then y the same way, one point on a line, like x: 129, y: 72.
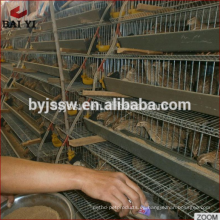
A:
x: 184, y: 74
x: 6, y: 149
x: 170, y: 189
x: 171, y: 7
x: 188, y: 133
x: 86, y: 206
x: 78, y: 9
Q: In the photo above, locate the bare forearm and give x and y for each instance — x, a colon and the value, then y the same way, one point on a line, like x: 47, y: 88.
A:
x: 23, y: 176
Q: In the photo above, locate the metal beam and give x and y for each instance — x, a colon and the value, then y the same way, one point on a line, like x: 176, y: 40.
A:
x: 80, y: 45
x: 185, y: 41
x: 33, y: 93
x: 204, y: 103
x: 20, y: 117
x: 165, y: 159
x: 83, y: 18
x: 51, y: 70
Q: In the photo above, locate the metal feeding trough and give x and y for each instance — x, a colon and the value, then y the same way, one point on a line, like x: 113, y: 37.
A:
x: 54, y: 201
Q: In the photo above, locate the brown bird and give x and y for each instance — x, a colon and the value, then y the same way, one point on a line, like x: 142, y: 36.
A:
x: 65, y: 66
x: 102, y: 165
x: 57, y: 97
x: 55, y: 64
x: 161, y: 136
x: 195, y: 146
x: 41, y: 60
x: 174, y: 129
x: 210, y: 158
x: 110, y: 120
x: 133, y: 76
x: 192, y: 195
x: 74, y: 66
x: 195, y: 24
x: 20, y: 108
x: 34, y: 61
x: 33, y: 85
x: 207, y: 85
x: 138, y: 164
x: 104, y: 115
x: 123, y: 124
x: 39, y: 120
x: 8, y: 128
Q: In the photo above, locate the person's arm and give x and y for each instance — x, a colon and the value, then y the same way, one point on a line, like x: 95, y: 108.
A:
x: 20, y: 176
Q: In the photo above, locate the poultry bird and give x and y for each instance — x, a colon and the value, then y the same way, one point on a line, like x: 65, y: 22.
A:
x: 60, y: 133
x: 132, y: 76
x: 123, y: 124
x: 161, y: 136
x: 7, y: 128
x: 110, y: 120
x: 74, y: 66
x: 20, y: 108
x: 138, y: 164
x: 102, y: 165
x: 207, y: 85
x: 64, y: 63
x: 33, y: 86
x: 192, y: 195
x: 178, y: 131
x: 34, y: 61
x: 194, y: 143
x: 195, y: 24
x: 210, y: 158
x: 104, y: 115
x: 55, y: 64
x: 41, y: 60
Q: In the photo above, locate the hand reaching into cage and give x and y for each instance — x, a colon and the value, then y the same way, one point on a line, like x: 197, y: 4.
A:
x: 19, y: 176
x: 114, y: 188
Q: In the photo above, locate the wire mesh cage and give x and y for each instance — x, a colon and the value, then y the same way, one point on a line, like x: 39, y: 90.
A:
x: 199, y: 18
x: 6, y: 149
x: 166, y: 129
x: 187, y: 75
x: 172, y: 191
x: 141, y: 9
x: 81, y: 8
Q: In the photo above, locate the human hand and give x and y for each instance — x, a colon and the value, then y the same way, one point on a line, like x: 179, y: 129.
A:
x: 9, y: 198
x: 115, y: 188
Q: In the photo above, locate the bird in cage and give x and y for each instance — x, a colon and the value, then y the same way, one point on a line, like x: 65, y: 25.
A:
x: 122, y: 124
x: 193, y: 143
x: 74, y: 67
x: 161, y: 136
x: 93, y: 68
x: 55, y: 64
x: 178, y: 131
x: 60, y: 133
x: 132, y: 76
x: 64, y: 63
x: 45, y: 123
x: 20, y: 108
x: 195, y: 24
x: 34, y: 60
x: 41, y: 60
x: 211, y: 158
x: 192, y: 195
x: 209, y: 84
x: 34, y: 85
x: 104, y: 115
x: 102, y: 165
x: 110, y: 120
x: 139, y: 164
